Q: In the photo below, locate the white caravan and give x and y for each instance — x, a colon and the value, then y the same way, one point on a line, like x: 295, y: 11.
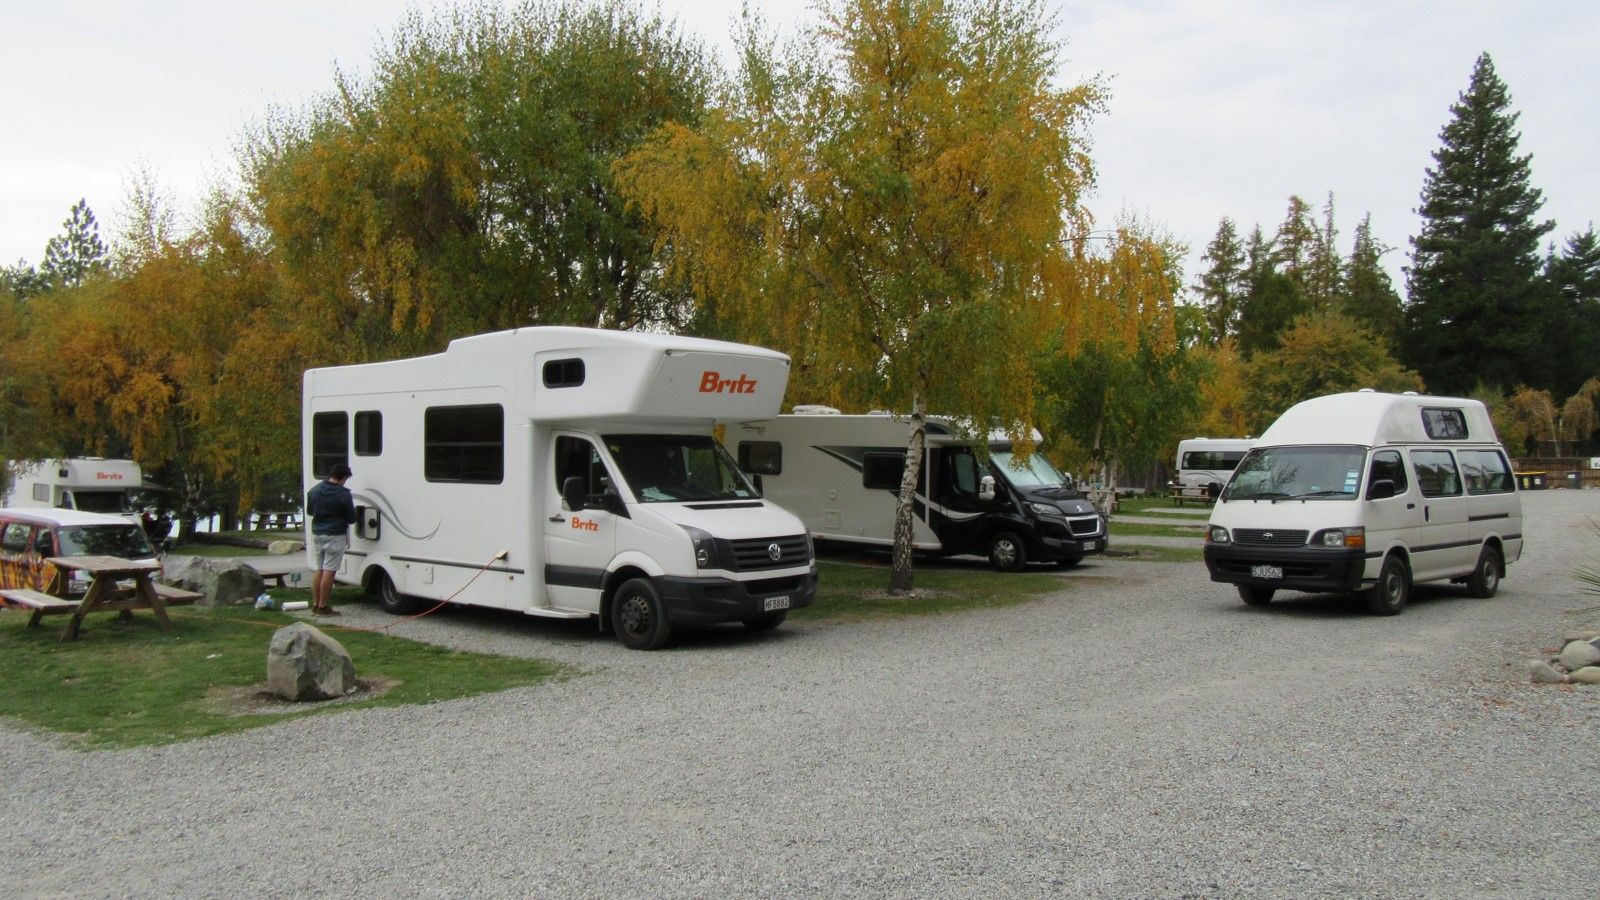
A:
x: 88, y: 484
x: 1206, y: 464
x: 562, y: 472
x: 1369, y: 491
x: 841, y: 474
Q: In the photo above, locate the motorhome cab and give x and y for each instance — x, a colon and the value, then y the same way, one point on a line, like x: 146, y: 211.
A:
x: 841, y: 474
x: 1206, y: 464
x: 565, y: 473
x: 1371, y: 492
x: 30, y: 537
x: 89, y: 484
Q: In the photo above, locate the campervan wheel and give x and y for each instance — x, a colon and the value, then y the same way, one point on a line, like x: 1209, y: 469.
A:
x: 638, y: 616
x: 1007, y: 552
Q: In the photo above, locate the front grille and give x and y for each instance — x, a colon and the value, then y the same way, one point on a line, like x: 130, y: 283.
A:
x: 1277, y: 537
x: 754, y: 554
x: 1085, y: 526
x: 767, y: 586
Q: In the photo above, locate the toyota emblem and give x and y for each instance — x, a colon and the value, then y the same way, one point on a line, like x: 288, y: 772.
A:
x: 1267, y: 536
x: 774, y: 552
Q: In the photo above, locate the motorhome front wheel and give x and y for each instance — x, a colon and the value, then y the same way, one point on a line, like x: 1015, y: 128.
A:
x: 638, y: 617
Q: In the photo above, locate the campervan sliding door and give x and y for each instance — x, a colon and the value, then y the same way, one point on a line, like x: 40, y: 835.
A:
x: 1442, y: 548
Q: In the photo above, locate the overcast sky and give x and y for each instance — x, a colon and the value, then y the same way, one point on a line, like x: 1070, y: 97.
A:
x: 1217, y: 108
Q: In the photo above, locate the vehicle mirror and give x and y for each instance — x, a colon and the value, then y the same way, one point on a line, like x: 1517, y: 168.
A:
x: 986, y: 488
x: 1382, y: 489
x: 755, y: 482
x: 573, y: 491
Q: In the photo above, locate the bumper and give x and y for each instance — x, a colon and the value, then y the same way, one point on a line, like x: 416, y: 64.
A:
x: 706, y: 601
x: 1069, y: 548
x: 1304, y: 568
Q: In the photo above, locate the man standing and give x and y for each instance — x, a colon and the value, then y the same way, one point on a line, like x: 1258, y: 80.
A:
x: 332, y: 511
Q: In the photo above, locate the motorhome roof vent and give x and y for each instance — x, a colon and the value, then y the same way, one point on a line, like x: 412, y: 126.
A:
x: 1410, y: 393
x: 815, y: 409
x: 1366, y: 391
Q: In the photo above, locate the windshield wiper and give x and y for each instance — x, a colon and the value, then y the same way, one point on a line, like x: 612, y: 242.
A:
x: 1315, y: 494
x: 1262, y: 495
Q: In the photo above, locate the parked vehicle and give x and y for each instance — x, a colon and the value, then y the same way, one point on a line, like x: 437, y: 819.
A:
x: 30, y: 537
x: 1204, y: 465
x: 1371, y: 492
x: 565, y: 473
x: 841, y: 474
x: 89, y: 484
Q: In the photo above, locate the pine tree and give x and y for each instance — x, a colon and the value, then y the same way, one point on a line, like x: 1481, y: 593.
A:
x: 1369, y: 296
x: 1221, y: 287
x: 1271, y: 301
x: 1573, y: 332
x: 1474, y: 314
x: 1322, y: 283
x: 77, y: 252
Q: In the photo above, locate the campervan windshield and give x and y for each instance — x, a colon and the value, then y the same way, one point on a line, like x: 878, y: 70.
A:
x: 1036, y: 472
x: 1298, y: 473
x: 127, y: 541
x: 671, y: 468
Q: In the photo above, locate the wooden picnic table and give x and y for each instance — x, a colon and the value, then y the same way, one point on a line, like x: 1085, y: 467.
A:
x: 106, y: 593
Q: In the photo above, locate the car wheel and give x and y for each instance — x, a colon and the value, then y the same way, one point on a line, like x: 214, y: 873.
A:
x: 767, y: 622
x: 1389, y: 595
x: 1007, y: 553
x: 638, y: 617
x: 390, y: 600
x: 1485, y: 578
x: 1256, y: 595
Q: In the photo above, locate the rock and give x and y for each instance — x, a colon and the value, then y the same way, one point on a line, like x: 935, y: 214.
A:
x: 1578, y: 654
x: 305, y: 664
x: 1585, y: 675
x: 1578, y: 634
x: 220, y: 581
x: 284, y: 548
x: 1544, y: 673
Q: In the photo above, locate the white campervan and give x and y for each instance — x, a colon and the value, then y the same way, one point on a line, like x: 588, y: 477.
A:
x: 841, y: 474
x: 566, y: 473
x: 1206, y: 464
x: 88, y: 484
x: 1369, y: 491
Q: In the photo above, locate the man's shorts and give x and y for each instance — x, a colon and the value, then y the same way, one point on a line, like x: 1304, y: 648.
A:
x: 330, y: 550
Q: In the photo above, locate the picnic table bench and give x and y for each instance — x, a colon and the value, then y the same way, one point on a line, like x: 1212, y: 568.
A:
x: 41, y: 603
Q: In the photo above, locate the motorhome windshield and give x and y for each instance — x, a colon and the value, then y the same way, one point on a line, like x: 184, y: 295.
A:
x: 1036, y: 472
x: 1298, y: 473
x: 127, y: 541
x: 100, y: 501
x: 671, y: 468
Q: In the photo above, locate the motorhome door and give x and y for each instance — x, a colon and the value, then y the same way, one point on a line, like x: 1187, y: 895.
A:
x: 579, y: 542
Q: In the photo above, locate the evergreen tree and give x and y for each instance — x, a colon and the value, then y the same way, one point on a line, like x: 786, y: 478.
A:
x: 1369, y: 296
x: 77, y: 252
x: 22, y: 281
x: 1322, y: 282
x: 1474, y: 310
x: 1221, y: 287
x: 1296, y: 244
x: 1271, y: 301
x: 1573, y: 327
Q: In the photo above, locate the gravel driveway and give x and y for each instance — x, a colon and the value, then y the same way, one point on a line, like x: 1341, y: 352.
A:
x: 1139, y: 734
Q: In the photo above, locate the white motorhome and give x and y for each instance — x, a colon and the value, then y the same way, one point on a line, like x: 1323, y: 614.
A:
x: 87, y: 484
x: 1369, y: 492
x: 1204, y: 465
x: 562, y: 472
x: 841, y: 474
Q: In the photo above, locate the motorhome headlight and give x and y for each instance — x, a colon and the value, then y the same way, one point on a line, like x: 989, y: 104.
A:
x: 1219, y: 535
x: 1045, y: 509
x: 705, y: 548
x: 1355, y: 536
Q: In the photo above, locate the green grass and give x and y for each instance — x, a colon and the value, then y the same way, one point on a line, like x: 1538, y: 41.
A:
x: 1140, y: 505
x: 857, y: 589
x: 1139, y: 528
x: 129, y: 684
x: 1146, y: 553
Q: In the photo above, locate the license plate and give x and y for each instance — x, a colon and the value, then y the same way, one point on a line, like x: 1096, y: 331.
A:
x: 772, y: 604
x: 1266, y: 571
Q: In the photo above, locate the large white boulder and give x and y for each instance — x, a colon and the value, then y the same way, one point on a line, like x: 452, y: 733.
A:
x: 305, y: 664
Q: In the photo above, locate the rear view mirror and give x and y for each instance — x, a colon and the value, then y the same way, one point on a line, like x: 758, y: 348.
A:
x: 1382, y: 489
x: 986, y: 488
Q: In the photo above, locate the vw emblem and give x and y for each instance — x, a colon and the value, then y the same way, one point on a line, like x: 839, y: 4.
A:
x: 774, y: 552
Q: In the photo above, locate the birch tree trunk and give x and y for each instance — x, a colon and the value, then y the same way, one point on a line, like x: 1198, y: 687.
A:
x: 900, y: 575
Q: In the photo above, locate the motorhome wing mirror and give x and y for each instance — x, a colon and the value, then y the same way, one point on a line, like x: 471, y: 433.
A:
x: 986, y: 488
x: 1382, y: 489
x: 573, y: 491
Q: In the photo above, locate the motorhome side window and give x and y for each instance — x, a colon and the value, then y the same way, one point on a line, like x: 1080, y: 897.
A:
x: 1212, y: 460
x: 761, y: 457
x: 41, y: 493
x: 1436, y: 473
x: 563, y: 373
x: 1485, y: 472
x: 883, y: 471
x: 369, y: 433
x: 964, y: 473
x: 577, y: 458
x: 1444, y: 424
x: 464, y: 444
x: 330, y: 442
x: 1386, y: 464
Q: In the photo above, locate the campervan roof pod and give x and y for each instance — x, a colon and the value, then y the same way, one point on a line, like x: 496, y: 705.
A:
x: 1373, y: 419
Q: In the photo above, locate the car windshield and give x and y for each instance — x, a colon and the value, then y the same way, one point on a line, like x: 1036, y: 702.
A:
x: 126, y: 541
x: 667, y: 468
x: 1298, y: 473
x: 1036, y: 472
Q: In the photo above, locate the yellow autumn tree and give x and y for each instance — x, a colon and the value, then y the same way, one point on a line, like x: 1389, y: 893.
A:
x: 879, y: 199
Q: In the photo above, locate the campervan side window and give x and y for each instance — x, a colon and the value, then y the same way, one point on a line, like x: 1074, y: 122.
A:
x: 883, y: 471
x: 1436, y: 473
x: 1386, y: 464
x: 464, y: 444
x: 369, y: 433
x: 1485, y: 472
x: 761, y: 457
x: 1444, y: 424
x: 563, y: 373
x: 41, y: 493
x: 1212, y: 460
x: 330, y: 441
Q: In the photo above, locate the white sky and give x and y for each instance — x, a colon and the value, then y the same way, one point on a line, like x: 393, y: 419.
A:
x: 1217, y: 108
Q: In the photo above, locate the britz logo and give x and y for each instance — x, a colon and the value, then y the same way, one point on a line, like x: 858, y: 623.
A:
x: 714, y: 383
x: 585, y: 524
x: 108, y: 476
